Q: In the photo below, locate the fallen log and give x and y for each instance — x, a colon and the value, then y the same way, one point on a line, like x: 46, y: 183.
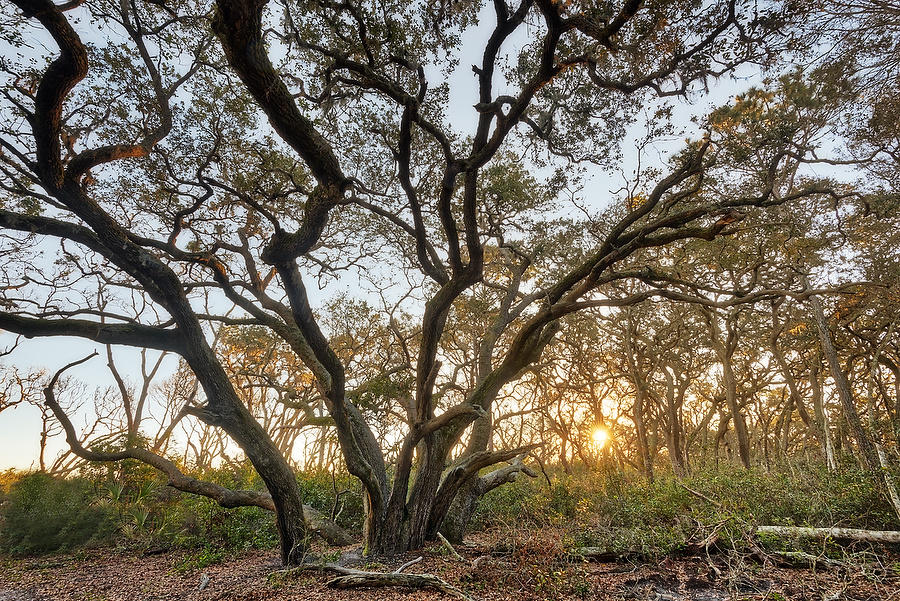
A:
x: 869, y: 536
x: 353, y: 578
x: 449, y: 547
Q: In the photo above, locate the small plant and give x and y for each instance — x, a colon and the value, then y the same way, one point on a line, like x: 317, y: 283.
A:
x: 581, y: 586
x: 140, y: 514
x: 331, y: 557
x: 198, y: 560
x: 116, y: 489
x: 549, y: 581
x: 145, y: 491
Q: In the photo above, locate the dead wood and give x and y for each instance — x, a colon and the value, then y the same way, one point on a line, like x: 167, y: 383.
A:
x: 409, y: 563
x: 449, y: 547
x: 871, y: 536
x: 799, y: 559
x: 353, y: 578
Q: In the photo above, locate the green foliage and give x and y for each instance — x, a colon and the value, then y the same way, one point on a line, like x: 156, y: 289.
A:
x: 45, y: 514
x: 127, y: 504
x: 200, y: 559
x: 194, y: 522
x: 318, y: 490
x: 7, y: 479
x: 626, y: 514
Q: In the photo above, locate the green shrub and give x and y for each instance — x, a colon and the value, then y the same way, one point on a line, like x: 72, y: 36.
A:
x: 44, y: 514
x: 199, y: 559
x: 197, y: 522
x: 318, y: 490
x: 128, y: 502
x: 625, y: 513
x: 7, y: 479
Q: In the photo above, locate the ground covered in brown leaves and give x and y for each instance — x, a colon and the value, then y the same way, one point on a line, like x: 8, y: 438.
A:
x: 485, y: 573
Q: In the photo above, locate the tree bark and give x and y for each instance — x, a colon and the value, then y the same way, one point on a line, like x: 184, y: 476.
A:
x: 870, y: 456
x: 872, y: 536
x: 640, y: 398
x: 796, y: 398
x: 725, y: 350
x: 673, y: 431
x: 822, y: 424
x: 888, y: 478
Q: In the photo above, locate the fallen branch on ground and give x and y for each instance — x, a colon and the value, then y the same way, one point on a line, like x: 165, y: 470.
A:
x: 353, y: 578
x: 698, y: 494
x: 450, y: 547
x: 595, y: 553
x: 870, y: 536
x: 408, y: 563
x: 806, y: 560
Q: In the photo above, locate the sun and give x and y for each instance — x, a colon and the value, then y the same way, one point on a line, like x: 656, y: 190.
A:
x: 600, y: 436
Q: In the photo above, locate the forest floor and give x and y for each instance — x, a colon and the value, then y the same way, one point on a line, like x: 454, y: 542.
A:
x: 526, y: 573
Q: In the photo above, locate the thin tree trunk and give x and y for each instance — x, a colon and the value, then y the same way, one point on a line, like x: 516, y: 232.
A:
x: 822, y: 424
x: 725, y: 351
x: 870, y: 455
x: 640, y: 397
x: 889, y: 483
x: 673, y: 430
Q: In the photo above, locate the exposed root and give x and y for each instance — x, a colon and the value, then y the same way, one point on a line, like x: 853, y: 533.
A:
x: 353, y: 578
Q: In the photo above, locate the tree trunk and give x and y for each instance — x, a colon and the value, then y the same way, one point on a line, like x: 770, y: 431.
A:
x: 889, y: 484
x: 725, y: 351
x: 821, y: 416
x: 640, y: 424
x: 740, y: 424
x: 870, y: 456
x: 796, y: 398
x: 640, y: 397
x: 277, y: 475
x: 873, y: 536
x: 461, y: 510
x: 673, y: 434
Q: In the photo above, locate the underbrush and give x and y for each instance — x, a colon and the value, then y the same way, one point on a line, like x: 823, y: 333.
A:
x: 43, y: 514
x: 627, y: 515
x: 129, y: 506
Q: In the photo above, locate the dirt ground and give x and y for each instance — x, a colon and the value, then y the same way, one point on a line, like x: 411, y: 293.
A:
x: 527, y: 573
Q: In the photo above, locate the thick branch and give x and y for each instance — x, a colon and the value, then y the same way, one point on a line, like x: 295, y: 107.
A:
x: 138, y: 335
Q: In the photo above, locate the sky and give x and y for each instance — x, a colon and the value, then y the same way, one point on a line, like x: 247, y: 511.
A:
x: 20, y: 426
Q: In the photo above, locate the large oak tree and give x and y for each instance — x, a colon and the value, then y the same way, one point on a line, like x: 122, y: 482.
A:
x: 163, y: 163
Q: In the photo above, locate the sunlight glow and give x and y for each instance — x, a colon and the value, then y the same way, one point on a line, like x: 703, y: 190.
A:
x: 600, y: 436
